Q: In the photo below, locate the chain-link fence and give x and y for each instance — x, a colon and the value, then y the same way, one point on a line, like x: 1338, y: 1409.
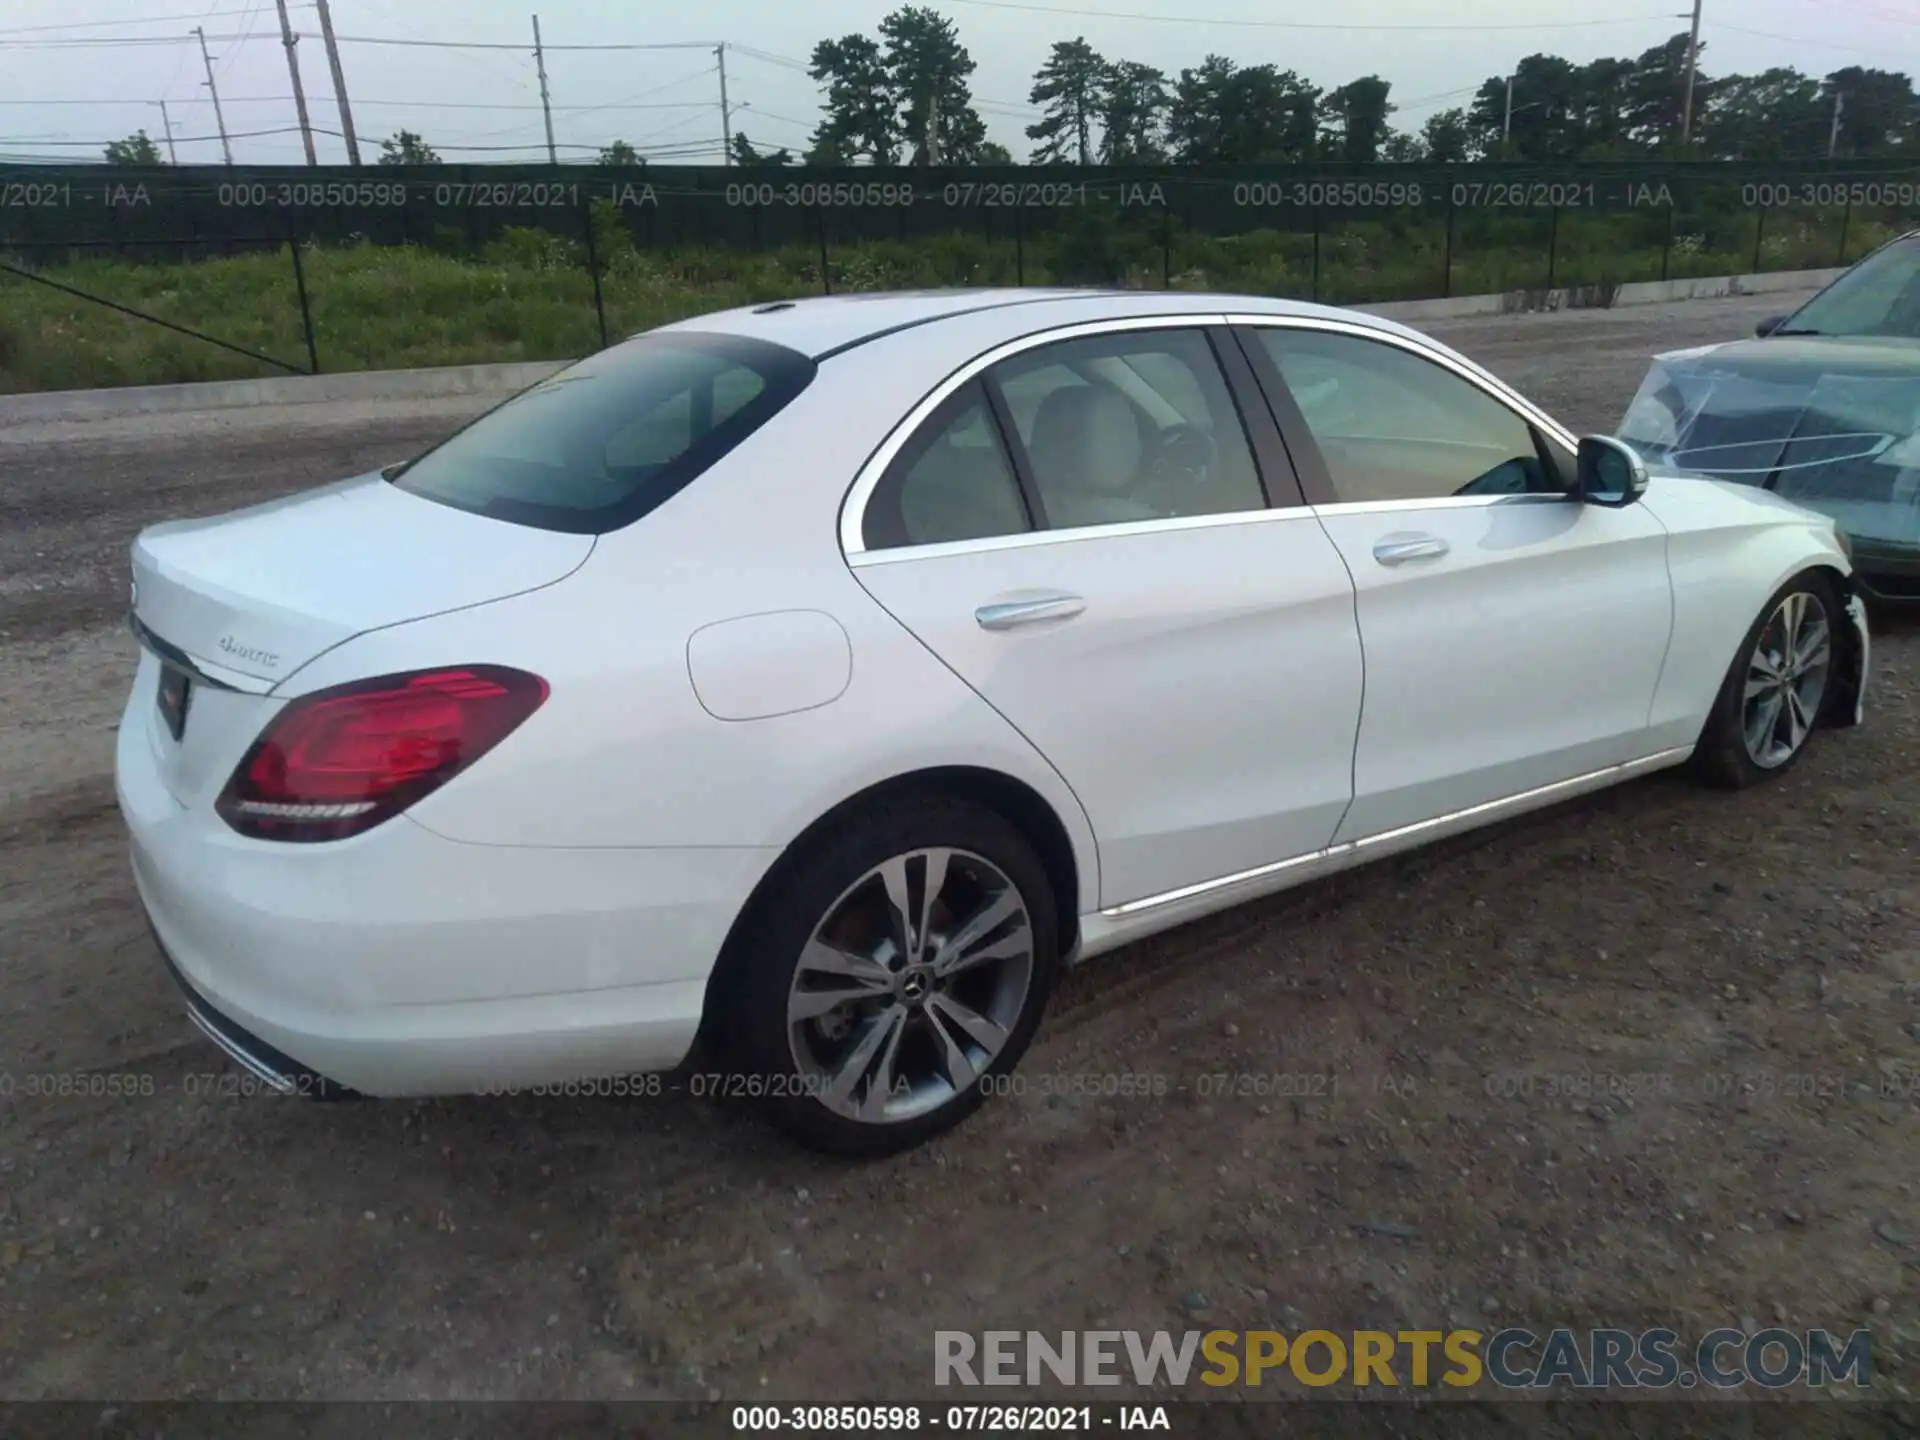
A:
x: 304, y: 269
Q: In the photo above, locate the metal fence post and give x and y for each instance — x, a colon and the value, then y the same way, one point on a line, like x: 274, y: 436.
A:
x: 306, y: 309
x: 1666, y: 249
x: 1166, y: 247
x: 1019, y: 249
x: 1846, y: 220
x: 826, y: 266
x: 1553, y: 245
x: 593, y: 265
x: 1759, y: 234
x: 1316, y: 255
x: 1446, y: 264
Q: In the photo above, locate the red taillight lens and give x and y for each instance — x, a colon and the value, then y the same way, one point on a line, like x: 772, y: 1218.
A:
x: 340, y: 761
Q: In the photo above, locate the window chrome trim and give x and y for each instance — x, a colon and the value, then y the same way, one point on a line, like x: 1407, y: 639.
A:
x: 1029, y: 539
x: 1441, y: 502
x: 1485, y: 812
x: 1490, y: 385
x: 853, y: 509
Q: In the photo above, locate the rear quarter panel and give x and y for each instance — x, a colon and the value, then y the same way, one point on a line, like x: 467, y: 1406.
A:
x: 1729, y: 548
x: 624, y: 752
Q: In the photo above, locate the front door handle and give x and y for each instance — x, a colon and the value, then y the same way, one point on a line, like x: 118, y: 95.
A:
x: 1011, y: 613
x: 1409, y: 547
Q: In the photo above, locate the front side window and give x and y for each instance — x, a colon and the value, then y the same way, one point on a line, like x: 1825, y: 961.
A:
x: 604, y: 441
x: 1392, y: 425
x: 1129, y: 427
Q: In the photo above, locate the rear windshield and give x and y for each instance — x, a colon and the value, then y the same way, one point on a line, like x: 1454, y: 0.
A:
x: 604, y: 441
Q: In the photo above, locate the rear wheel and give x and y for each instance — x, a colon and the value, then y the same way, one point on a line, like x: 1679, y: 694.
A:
x: 900, y: 968
x: 1775, y: 693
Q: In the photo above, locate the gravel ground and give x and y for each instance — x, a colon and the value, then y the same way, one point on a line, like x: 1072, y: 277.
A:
x: 1750, y: 959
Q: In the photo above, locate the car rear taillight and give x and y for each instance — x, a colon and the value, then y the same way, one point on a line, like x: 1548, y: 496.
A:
x: 340, y: 761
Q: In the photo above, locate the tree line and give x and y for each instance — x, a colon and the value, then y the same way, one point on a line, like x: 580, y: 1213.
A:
x: 904, y: 96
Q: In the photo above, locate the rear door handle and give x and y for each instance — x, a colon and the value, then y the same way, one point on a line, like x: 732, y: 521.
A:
x: 1011, y: 613
x: 1410, y: 547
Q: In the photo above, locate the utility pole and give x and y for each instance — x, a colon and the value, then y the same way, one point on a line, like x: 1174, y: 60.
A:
x: 339, y: 82
x: 1839, y: 109
x: 289, y: 39
x: 1506, y: 127
x: 219, y: 120
x: 726, y: 110
x: 546, y: 107
x: 166, y: 123
x: 1693, y: 55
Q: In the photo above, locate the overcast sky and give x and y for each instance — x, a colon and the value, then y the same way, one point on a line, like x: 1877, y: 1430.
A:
x: 53, y: 97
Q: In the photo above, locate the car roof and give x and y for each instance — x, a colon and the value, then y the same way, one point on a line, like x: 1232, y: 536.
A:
x: 821, y: 326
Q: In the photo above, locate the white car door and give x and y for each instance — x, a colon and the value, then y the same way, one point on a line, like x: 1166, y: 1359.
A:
x: 1514, y: 636
x: 1082, y: 531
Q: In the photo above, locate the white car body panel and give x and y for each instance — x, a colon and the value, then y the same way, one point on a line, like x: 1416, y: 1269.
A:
x: 1203, y: 704
x: 1527, y: 653
x: 1726, y: 543
x: 728, y: 670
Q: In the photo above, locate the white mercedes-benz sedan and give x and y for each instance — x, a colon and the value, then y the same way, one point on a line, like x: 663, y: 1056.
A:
x: 800, y: 688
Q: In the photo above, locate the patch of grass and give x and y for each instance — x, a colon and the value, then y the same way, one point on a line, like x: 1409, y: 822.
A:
x: 528, y: 295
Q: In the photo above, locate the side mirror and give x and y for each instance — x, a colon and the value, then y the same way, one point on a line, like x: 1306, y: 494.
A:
x: 1611, y: 472
x: 1767, y: 326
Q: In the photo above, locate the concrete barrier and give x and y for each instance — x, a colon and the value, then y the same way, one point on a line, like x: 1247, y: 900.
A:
x: 500, y: 381
x: 1603, y: 297
x: 349, y: 385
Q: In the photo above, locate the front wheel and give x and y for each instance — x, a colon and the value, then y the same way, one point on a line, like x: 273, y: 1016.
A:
x: 1779, y: 684
x: 898, y: 970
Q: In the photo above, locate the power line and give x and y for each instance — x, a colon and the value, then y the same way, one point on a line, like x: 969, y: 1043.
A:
x: 1395, y: 25
x: 130, y: 42
x: 502, y: 45
x: 178, y: 139
x: 1796, y: 39
x: 144, y: 20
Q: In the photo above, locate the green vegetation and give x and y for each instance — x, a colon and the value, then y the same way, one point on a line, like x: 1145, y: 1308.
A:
x: 529, y: 295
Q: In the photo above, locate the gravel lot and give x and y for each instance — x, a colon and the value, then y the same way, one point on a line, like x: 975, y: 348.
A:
x: 1757, y: 955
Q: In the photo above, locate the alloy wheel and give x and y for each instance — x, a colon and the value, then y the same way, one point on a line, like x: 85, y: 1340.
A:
x: 910, y: 986
x: 1786, y: 680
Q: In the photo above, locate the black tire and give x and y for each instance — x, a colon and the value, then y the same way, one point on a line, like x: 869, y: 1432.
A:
x: 1720, y: 758
x: 767, y: 955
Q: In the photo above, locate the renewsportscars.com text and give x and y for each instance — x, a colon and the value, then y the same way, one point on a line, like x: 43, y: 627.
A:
x: 1511, y: 1359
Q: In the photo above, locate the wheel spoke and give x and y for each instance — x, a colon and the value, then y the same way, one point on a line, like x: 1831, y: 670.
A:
x: 1760, y: 729
x: 1761, y: 684
x: 880, y: 1086
x: 1792, y: 610
x: 960, y: 1070
x: 881, y: 1033
x: 989, y: 1034
x: 1816, y: 644
x: 963, y: 948
x: 811, y: 1004
x: 825, y: 959
x: 1798, y: 721
x: 933, y: 879
x: 900, y: 907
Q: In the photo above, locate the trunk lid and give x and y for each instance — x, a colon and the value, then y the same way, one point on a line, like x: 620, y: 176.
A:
x: 259, y: 592
x: 239, y: 602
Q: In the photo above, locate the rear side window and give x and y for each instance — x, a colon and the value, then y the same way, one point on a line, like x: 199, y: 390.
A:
x: 604, y: 441
x: 954, y: 481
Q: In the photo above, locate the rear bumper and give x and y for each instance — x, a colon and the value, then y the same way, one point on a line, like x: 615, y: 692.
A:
x: 402, y: 963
